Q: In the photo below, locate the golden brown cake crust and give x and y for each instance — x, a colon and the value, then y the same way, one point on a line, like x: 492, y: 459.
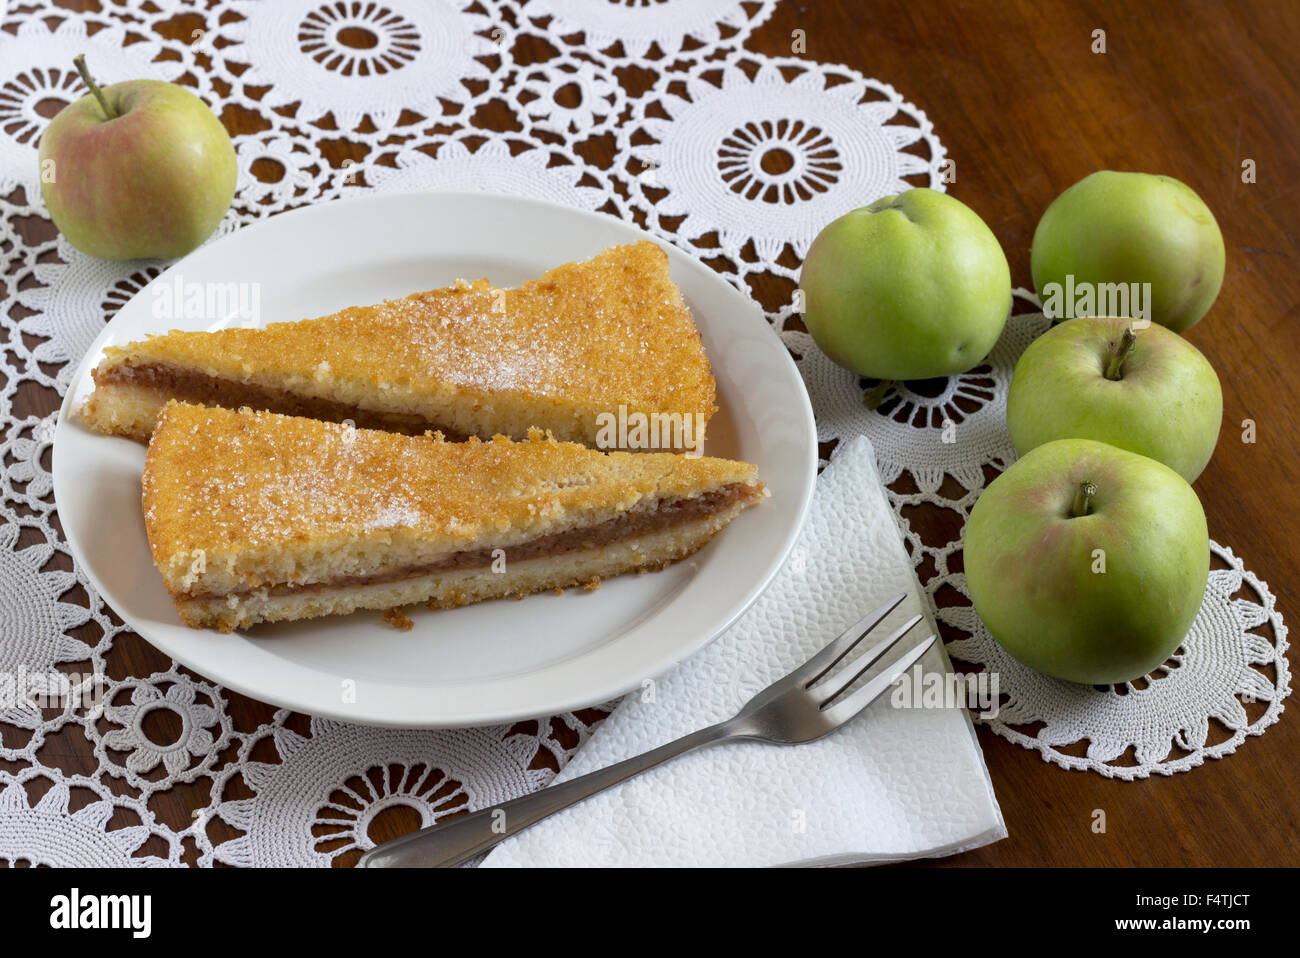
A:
x: 250, y: 495
x: 587, y: 336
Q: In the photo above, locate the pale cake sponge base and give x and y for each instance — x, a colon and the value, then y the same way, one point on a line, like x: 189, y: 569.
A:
x: 561, y: 353
x: 461, y: 586
x: 124, y: 409
x: 255, y: 512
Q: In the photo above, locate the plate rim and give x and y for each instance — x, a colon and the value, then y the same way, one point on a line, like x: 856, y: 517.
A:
x: 355, y: 715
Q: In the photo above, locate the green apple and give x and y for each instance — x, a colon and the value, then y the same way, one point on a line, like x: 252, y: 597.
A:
x: 1132, y: 228
x: 1087, y: 562
x: 1148, y: 391
x: 913, y: 286
x: 138, y: 169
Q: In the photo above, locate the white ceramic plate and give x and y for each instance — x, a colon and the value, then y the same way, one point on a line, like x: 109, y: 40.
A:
x: 496, y: 661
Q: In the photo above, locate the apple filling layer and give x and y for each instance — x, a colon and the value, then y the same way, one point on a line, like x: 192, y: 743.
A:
x: 639, y: 521
x: 202, y: 389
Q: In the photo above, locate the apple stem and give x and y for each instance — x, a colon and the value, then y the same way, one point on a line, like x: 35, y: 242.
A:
x: 873, y: 399
x: 1083, y: 499
x: 1115, y: 366
x: 86, y: 78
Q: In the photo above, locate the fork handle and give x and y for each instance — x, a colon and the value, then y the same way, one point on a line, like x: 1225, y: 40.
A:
x: 461, y: 838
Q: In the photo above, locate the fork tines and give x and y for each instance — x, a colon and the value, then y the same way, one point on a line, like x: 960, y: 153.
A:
x: 826, y: 689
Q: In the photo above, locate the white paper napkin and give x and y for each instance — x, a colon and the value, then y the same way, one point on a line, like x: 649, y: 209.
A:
x: 894, y: 783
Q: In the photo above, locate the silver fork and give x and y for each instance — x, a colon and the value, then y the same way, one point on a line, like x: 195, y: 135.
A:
x: 801, y: 707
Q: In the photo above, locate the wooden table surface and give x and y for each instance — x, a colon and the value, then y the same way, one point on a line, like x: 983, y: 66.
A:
x: 1026, y: 108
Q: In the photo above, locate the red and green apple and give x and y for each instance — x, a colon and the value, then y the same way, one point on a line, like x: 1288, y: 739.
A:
x: 136, y: 169
x: 1087, y: 562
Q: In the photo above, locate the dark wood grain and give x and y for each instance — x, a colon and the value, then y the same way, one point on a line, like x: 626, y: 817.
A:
x: 1026, y: 108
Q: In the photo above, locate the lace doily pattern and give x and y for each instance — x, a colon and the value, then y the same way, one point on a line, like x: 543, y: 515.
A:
x: 495, y: 165
x: 41, y: 825
x: 634, y: 31
x: 360, y: 58
x: 742, y: 153
x: 332, y: 780
x: 201, y: 729
x: 570, y: 96
x: 735, y: 156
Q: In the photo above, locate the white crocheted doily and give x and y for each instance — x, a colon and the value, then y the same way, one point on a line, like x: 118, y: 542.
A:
x: 737, y: 157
